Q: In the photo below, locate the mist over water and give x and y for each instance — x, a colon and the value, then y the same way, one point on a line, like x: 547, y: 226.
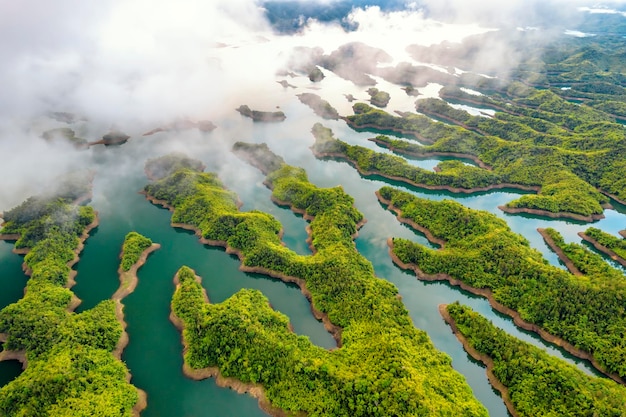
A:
x: 137, y: 65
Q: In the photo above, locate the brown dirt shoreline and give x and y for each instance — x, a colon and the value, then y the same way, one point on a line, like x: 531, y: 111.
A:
x: 493, y: 380
x: 255, y: 390
x: 72, y: 275
x: 74, y: 302
x: 334, y: 330
x: 416, y: 135
x: 613, y: 196
x: 559, y: 252
x: 471, y: 157
x: 456, y: 190
x: 603, y: 248
x: 510, y: 210
x: 487, y: 293
x: 12, y: 355
x: 545, y: 213
x: 128, y: 283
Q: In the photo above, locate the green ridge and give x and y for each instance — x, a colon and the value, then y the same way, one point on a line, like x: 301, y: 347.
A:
x: 385, y: 365
x: 538, y: 384
x: 71, y: 370
x: 481, y: 251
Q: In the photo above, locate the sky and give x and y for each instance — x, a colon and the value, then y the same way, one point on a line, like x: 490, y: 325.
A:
x: 137, y: 64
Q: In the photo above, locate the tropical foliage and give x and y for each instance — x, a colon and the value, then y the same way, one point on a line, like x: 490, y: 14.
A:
x: 71, y: 370
x: 538, y: 139
x: 133, y: 247
x: 538, y: 383
x: 385, y: 365
x: 482, y: 252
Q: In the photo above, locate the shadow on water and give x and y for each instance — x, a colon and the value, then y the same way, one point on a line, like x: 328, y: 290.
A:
x: 12, y: 278
x: 9, y: 370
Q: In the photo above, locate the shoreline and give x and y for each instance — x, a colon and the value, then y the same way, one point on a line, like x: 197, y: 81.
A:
x: 255, y: 390
x: 573, y: 269
x: 71, y: 278
x: 450, y: 121
x: 614, y: 256
x: 335, y: 331
x: 427, y: 155
x: 451, y: 189
x: 560, y: 215
x: 6, y: 355
x: 486, y: 360
x: 517, y: 319
x: 13, y: 355
x: 614, y: 197
x: 367, y: 126
x: 128, y: 283
x: 432, y: 239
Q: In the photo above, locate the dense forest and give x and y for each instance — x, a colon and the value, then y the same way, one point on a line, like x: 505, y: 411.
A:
x: 71, y: 371
x: 482, y: 252
x: 568, y: 177
x: 537, y: 384
x: 384, y: 366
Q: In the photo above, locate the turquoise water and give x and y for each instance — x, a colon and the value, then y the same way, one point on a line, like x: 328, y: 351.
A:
x: 154, y: 354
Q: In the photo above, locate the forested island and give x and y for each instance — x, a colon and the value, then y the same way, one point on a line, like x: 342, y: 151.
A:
x: 581, y: 312
x: 71, y: 369
x: 570, y: 180
x: 261, y: 116
x: 362, y: 311
x: 532, y: 382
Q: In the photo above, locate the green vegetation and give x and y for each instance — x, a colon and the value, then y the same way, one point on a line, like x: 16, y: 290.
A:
x: 163, y: 166
x: 589, y: 263
x: 450, y: 175
x: 261, y: 116
x: 71, y: 370
x: 561, y: 165
x: 385, y: 365
x: 538, y: 384
x: 378, y: 98
x: 481, y: 251
x: 609, y: 241
x: 133, y: 247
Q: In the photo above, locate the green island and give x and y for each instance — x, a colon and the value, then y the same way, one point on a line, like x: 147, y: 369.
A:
x: 478, y: 251
x: 157, y: 168
x: 454, y: 176
x: 135, y: 251
x: 572, y: 154
x: 134, y: 246
x: 378, y: 98
x: 611, y: 245
x: 383, y: 366
x: 261, y: 116
x: 69, y: 366
x: 532, y: 382
x: 581, y: 261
